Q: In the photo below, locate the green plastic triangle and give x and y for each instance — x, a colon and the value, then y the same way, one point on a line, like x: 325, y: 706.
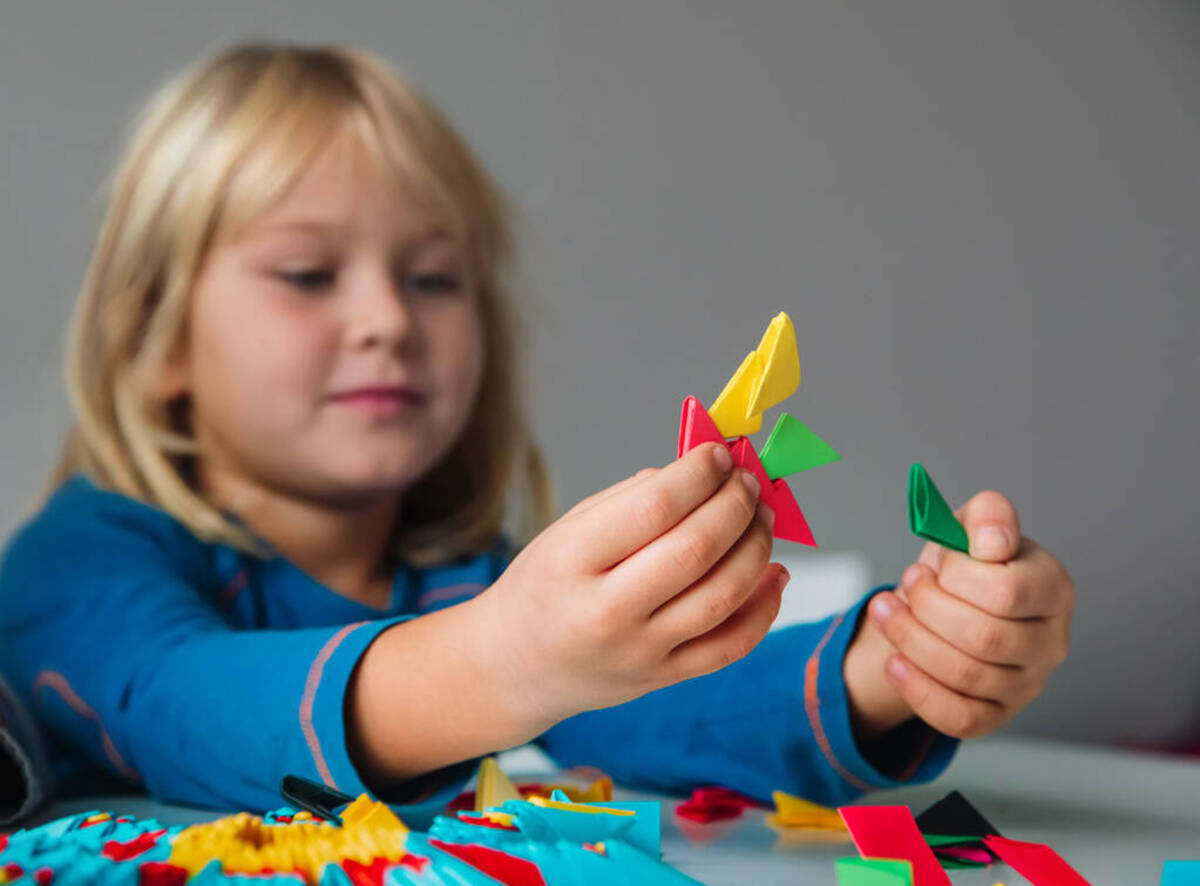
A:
x: 793, y: 448
x: 929, y: 516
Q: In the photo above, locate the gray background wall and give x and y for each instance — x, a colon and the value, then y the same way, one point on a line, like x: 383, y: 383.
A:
x: 983, y: 218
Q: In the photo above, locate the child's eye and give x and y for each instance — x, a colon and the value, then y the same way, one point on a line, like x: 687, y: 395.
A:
x: 432, y: 283
x: 312, y: 280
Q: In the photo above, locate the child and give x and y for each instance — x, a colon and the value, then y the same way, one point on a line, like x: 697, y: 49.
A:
x: 274, y: 542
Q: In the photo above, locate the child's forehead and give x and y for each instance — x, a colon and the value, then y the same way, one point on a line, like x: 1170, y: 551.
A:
x: 342, y: 188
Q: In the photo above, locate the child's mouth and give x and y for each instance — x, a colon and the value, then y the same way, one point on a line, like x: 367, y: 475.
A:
x: 381, y: 399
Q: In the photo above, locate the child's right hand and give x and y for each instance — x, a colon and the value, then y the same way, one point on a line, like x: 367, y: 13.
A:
x: 662, y: 577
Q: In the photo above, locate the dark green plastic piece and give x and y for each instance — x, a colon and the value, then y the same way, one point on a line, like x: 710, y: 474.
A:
x: 793, y: 448
x: 929, y: 516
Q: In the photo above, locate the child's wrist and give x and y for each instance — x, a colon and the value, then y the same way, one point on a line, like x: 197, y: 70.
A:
x: 875, y: 705
x: 507, y: 674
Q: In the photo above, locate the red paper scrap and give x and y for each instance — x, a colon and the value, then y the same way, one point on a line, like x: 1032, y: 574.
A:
x: 161, y: 873
x: 501, y: 866
x: 891, y: 832
x: 118, y: 851
x: 1036, y: 862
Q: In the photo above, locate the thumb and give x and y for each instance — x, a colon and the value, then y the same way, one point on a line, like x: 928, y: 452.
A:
x: 992, y: 526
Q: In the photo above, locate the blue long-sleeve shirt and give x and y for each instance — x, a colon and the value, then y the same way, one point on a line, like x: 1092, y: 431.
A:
x: 154, y: 661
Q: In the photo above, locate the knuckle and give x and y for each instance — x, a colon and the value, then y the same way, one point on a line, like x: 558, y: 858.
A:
x: 920, y: 596
x: 653, y: 507
x: 969, y: 674
x: 1008, y: 595
x: 694, y: 552
x: 718, y: 607
x: 989, y: 639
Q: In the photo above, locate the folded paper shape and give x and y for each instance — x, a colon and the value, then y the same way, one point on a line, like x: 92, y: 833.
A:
x: 789, y: 519
x: 780, y: 362
x: 793, y: 448
x: 729, y: 410
x: 796, y: 812
x: 929, y: 516
x: 494, y: 786
x: 696, y: 426
x: 954, y: 814
x: 891, y: 832
x: 873, y: 872
x: 745, y: 457
x: 1036, y: 862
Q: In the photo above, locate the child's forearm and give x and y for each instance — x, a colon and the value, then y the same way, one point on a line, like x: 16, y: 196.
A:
x: 433, y: 691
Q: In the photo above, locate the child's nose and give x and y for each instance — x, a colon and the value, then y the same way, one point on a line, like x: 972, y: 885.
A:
x: 381, y: 314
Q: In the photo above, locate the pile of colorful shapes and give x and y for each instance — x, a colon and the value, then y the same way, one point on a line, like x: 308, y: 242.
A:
x: 769, y: 374
x: 535, y: 842
x: 898, y: 850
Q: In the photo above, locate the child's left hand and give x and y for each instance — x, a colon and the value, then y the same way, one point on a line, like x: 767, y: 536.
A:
x: 964, y: 642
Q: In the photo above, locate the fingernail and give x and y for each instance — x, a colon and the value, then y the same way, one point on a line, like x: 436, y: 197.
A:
x: 990, y: 541
x: 723, y: 459
x: 881, y: 608
x: 896, y: 669
x: 751, y: 483
x: 765, y: 513
x: 784, y: 578
x: 911, y: 574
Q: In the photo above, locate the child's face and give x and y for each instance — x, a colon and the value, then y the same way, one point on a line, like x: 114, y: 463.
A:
x: 334, y: 348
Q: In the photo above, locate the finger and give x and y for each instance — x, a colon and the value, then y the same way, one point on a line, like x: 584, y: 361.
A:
x: 944, y: 662
x: 1006, y: 590
x: 947, y: 711
x: 596, y: 497
x: 992, y: 527
x: 931, y: 555
x: 1000, y: 641
x: 713, y: 595
x: 687, y: 552
x: 612, y: 529
x: 735, y: 638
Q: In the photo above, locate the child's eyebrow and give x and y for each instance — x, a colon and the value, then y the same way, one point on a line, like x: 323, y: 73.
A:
x: 430, y: 235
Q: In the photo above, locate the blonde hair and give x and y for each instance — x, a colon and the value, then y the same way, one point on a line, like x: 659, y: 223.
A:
x: 269, y: 108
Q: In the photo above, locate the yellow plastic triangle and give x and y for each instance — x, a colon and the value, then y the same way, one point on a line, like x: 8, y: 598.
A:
x: 730, y: 411
x: 494, y: 788
x: 780, y: 362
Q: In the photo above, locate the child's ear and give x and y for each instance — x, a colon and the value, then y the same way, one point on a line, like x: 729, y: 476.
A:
x: 174, y: 378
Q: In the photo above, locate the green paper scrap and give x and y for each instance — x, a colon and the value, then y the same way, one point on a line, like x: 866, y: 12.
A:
x: 793, y: 448
x: 957, y: 864
x: 873, y: 872
x: 929, y: 516
x: 949, y: 839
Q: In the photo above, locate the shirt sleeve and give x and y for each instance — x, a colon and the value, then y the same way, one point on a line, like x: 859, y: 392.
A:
x: 778, y: 719
x: 124, y: 662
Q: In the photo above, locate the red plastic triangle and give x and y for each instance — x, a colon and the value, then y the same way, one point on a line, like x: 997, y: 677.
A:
x: 696, y: 426
x: 789, y: 519
x: 744, y: 456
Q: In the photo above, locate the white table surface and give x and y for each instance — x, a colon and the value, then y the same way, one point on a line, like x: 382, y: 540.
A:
x: 1114, y: 815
